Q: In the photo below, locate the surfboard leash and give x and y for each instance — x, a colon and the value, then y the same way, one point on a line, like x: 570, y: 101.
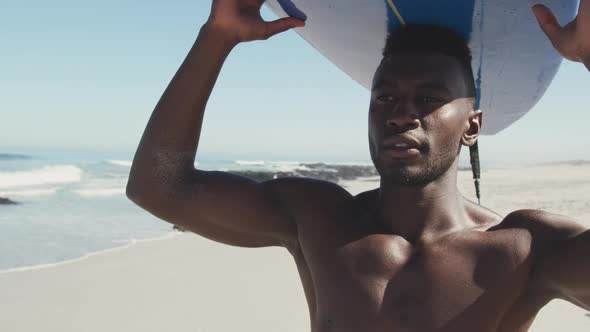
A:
x: 475, y: 168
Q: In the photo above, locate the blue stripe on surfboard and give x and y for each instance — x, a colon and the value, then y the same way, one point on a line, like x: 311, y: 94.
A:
x: 454, y: 14
x: 289, y: 7
x: 478, y: 78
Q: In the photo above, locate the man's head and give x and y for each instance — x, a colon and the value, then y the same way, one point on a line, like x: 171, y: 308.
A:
x: 422, y: 105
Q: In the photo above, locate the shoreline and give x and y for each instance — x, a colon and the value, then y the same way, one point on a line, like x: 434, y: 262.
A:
x: 130, y: 243
x: 363, y: 180
x: 365, y: 183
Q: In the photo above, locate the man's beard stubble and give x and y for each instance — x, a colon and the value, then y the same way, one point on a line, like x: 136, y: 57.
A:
x: 434, y: 168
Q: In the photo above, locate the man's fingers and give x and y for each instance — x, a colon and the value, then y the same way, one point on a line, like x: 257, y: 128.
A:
x: 548, y: 22
x: 281, y: 25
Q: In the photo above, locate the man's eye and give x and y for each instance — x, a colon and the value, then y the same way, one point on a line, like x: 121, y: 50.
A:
x: 386, y: 99
x: 429, y: 100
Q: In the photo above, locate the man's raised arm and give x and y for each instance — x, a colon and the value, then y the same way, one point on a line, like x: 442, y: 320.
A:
x: 163, y: 180
x: 563, y: 268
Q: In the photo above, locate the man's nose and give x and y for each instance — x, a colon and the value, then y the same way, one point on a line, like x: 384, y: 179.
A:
x: 403, y: 117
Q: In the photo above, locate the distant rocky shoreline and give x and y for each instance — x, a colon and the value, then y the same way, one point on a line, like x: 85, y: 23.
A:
x: 320, y: 171
x: 6, y: 201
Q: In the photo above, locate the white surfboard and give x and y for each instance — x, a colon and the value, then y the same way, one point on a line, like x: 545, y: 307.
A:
x: 513, y: 61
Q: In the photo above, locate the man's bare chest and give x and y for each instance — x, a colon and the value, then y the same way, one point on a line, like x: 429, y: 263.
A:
x: 365, y: 280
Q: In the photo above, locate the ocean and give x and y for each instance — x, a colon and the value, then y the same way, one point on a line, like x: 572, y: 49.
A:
x: 72, y: 205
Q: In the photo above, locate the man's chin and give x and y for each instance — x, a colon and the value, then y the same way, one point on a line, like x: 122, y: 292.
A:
x: 416, y: 171
x: 406, y: 180
x: 406, y: 176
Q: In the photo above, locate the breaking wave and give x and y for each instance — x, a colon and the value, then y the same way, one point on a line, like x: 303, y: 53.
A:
x: 47, y: 175
x: 124, y: 163
x: 101, y: 192
x: 29, y: 192
x: 250, y: 162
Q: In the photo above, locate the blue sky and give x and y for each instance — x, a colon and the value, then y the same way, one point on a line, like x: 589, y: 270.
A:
x: 85, y: 76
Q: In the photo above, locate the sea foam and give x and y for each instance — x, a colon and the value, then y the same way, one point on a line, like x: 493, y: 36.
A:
x: 124, y: 163
x: 250, y: 162
x: 100, y: 192
x: 29, y: 192
x: 41, y: 176
x: 287, y: 166
x: 123, y: 245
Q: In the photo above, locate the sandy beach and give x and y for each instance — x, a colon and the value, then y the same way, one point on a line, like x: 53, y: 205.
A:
x: 187, y: 283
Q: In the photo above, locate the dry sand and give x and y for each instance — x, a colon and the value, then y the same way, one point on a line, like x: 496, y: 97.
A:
x: 188, y: 283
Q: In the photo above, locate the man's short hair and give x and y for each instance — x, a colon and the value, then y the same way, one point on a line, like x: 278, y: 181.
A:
x: 437, y: 39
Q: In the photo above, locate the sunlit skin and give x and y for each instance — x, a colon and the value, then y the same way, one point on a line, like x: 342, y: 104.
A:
x: 412, y: 255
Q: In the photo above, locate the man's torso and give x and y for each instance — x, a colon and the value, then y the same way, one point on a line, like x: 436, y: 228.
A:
x: 359, y: 277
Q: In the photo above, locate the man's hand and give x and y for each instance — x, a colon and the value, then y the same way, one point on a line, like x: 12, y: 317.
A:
x: 241, y: 20
x: 573, y: 40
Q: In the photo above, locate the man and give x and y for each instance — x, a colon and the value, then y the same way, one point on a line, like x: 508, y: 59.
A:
x: 413, y: 255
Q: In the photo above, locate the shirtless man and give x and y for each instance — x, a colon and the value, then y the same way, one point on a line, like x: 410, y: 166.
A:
x: 413, y: 255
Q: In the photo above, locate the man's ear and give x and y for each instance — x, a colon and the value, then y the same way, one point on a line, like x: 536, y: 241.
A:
x: 473, y: 128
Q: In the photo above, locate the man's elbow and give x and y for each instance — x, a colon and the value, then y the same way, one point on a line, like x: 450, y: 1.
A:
x: 135, y: 194
x: 140, y: 188
x: 140, y: 192
x: 145, y: 199
x: 131, y: 192
x: 153, y: 197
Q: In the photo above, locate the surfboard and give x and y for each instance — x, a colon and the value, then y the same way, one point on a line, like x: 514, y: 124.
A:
x: 513, y: 61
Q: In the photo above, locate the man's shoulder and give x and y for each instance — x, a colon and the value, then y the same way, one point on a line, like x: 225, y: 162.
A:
x: 300, y: 191
x: 538, y: 219
x: 546, y: 228
x: 311, y: 201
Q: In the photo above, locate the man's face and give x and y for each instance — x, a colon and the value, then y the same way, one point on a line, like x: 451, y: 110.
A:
x: 420, y: 110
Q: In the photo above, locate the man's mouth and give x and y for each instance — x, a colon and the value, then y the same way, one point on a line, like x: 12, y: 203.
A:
x: 401, y: 151
x: 399, y: 146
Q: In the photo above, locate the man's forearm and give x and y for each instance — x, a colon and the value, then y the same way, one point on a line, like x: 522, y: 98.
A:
x: 170, y: 140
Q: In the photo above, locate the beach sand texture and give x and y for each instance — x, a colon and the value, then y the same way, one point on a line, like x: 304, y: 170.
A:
x: 188, y: 283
